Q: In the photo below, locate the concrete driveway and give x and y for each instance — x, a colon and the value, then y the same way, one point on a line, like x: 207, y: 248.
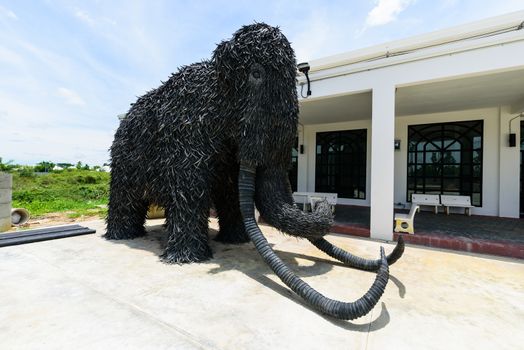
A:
x: 88, y: 293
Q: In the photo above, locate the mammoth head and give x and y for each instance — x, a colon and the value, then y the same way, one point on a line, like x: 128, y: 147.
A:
x: 256, y: 72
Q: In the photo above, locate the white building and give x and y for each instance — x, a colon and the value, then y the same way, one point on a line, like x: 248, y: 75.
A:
x: 451, y: 98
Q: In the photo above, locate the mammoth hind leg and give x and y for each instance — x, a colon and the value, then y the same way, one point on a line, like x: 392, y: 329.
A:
x: 232, y: 228
x: 225, y: 198
x: 126, y: 212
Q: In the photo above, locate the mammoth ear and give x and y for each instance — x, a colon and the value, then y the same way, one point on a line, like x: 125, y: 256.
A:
x: 223, y: 62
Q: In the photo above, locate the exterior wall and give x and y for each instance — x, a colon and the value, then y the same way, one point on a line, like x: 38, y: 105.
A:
x: 500, y: 169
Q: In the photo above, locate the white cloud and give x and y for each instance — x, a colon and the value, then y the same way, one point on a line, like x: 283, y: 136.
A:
x: 386, y: 11
x: 93, y: 21
x: 84, y: 17
x: 70, y: 96
x: 448, y: 4
x: 7, y: 12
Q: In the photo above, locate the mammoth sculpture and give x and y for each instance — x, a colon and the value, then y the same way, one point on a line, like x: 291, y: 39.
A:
x: 221, y: 132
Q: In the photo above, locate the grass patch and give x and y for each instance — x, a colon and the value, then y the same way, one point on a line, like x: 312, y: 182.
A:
x: 80, y: 191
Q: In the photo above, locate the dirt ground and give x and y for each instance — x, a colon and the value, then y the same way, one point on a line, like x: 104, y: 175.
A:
x: 53, y: 219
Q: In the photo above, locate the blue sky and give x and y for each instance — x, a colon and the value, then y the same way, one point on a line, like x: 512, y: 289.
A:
x: 68, y: 68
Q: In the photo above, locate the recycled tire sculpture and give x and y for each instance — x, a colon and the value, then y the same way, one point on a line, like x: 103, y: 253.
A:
x: 221, y: 131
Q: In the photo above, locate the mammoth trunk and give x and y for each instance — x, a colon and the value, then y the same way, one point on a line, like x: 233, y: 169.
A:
x: 334, y: 308
x: 274, y: 201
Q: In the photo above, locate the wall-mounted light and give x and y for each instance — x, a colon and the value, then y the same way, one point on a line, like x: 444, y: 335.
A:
x: 512, y: 139
x: 304, y: 68
x: 397, y: 144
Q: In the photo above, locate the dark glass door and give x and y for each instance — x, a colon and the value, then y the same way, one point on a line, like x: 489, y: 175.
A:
x: 446, y: 158
x: 341, y: 163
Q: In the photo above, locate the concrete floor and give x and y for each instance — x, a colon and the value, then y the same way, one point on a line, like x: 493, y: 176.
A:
x: 88, y: 293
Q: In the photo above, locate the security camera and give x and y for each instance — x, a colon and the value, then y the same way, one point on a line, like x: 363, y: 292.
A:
x: 303, y: 67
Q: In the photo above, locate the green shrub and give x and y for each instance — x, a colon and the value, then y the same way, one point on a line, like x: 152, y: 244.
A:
x: 90, y: 180
x: 26, y: 171
x: 81, y: 191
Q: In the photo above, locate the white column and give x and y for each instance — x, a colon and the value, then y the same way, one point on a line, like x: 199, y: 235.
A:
x: 382, y: 162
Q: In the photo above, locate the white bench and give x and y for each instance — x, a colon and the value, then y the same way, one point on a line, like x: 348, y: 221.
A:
x: 456, y: 201
x: 404, y: 222
x: 312, y: 198
x: 432, y: 200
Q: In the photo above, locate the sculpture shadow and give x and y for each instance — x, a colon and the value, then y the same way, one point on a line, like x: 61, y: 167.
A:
x: 245, y: 258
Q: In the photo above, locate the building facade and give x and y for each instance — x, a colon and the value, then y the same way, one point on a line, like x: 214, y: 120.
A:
x: 429, y: 114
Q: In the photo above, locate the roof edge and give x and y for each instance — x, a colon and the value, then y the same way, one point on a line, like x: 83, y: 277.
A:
x: 479, y: 28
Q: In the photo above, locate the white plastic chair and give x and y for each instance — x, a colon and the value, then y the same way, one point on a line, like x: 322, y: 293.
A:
x: 404, y: 222
x: 314, y: 199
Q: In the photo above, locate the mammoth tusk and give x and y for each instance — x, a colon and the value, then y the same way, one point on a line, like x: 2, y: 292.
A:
x: 331, y: 307
x: 356, y: 261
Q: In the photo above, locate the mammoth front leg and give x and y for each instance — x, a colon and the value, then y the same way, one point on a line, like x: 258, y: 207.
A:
x: 187, y: 226
x: 225, y: 198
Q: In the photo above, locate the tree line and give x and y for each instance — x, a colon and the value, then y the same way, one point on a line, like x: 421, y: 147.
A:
x: 46, y: 166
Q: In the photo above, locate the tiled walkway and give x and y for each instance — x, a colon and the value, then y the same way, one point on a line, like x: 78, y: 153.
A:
x: 481, y: 234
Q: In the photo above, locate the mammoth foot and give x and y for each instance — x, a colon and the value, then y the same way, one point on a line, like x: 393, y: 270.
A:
x: 356, y: 261
x: 124, y: 233
x: 232, y: 235
x: 186, y: 255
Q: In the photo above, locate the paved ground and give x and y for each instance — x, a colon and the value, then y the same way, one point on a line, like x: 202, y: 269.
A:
x: 455, y: 225
x: 88, y: 293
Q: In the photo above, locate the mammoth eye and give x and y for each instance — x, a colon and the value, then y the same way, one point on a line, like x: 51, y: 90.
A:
x: 257, y: 73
